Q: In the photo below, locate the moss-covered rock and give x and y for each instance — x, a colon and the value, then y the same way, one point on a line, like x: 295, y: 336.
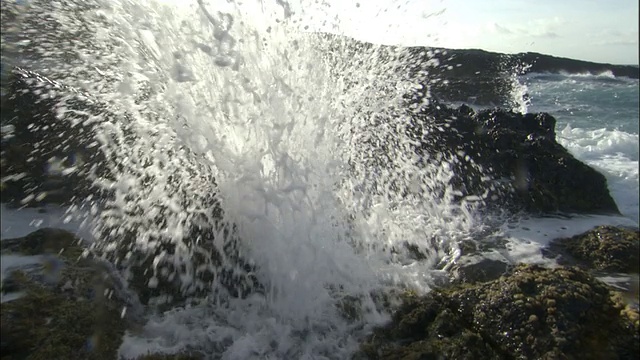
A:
x: 530, y: 313
x: 68, y: 308
x: 604, y: 248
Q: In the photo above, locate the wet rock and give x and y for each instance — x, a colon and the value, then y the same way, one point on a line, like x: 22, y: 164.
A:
x: 480, y: 271
x: 511, y: 160
x: 164, y: 279
x: 68, y: 306
x: 50, y: 155
x: 603, y: 248
x: 530, y: 313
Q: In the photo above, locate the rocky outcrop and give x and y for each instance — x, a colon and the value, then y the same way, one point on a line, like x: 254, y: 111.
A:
x: 604, y: 248
x: 530, y: 313
x: 512, y: 160
x: 529, y: 168
x: 484, y: 77
x: 51, y: 155
x: 67, y: 306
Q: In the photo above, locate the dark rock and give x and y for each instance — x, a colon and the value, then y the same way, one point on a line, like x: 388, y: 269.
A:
x: 483, y: 77
x: 604, y: 248
x: 481, y: 271
x: 519, y: 152
x: 531, y: 313
x: 71, y: 306
x: 161, y: 285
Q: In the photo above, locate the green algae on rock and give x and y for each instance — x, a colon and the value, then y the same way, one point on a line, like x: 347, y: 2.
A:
x: 68, y: 309
x: 532, y: 313
x: 603, y: 248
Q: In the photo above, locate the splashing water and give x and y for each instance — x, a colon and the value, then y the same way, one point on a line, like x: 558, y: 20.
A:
x: 235, y: 144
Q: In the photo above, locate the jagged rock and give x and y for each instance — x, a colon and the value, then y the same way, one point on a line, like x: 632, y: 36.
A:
x: 49, y: 121
x: 603, y: 248
x: 71, y: 307
x: 518, y: 150
x: 530, y: 313
x: 161, y: 285
x: 527, y: 167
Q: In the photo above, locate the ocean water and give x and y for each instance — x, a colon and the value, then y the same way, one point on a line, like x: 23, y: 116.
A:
x: 597, y: 121
x: 220, y: 103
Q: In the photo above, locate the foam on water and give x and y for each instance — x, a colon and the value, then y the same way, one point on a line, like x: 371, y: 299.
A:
x: 615, y: 154
x: 597, y: 121
x: 289, y: 146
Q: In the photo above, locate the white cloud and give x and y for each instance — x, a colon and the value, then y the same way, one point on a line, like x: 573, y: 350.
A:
x: 538, y: 28
x: 607, y: 37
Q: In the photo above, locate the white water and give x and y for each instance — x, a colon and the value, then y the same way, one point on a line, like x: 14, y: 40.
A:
x: 598, y: 123
x: 281, y: 128
x: 284, y: 130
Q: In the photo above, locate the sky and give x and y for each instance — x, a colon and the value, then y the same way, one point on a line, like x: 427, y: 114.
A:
x: 593, y: 30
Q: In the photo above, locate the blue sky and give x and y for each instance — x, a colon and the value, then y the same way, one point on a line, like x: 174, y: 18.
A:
x: 595, y: 30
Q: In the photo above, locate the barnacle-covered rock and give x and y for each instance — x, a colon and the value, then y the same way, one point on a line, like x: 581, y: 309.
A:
x: 530, y: 313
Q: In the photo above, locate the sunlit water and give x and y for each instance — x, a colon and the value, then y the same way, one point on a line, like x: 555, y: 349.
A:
x: 298, y: 138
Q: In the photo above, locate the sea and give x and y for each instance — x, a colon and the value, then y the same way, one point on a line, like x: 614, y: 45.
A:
x: 597, y: 121
x: 224, y: 105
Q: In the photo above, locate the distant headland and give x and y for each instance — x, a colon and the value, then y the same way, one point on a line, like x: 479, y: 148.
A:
x: 485, y: 77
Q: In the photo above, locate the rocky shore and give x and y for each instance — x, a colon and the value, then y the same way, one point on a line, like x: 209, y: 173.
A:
x: 486, y: 78
x: 75, y: 305
x: 528, y: 313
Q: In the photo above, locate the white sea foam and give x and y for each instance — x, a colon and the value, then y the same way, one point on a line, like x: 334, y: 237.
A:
x: 615, y: 154
x: 526, y: 237
x: 607, y: 74
x: 300, y: 140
